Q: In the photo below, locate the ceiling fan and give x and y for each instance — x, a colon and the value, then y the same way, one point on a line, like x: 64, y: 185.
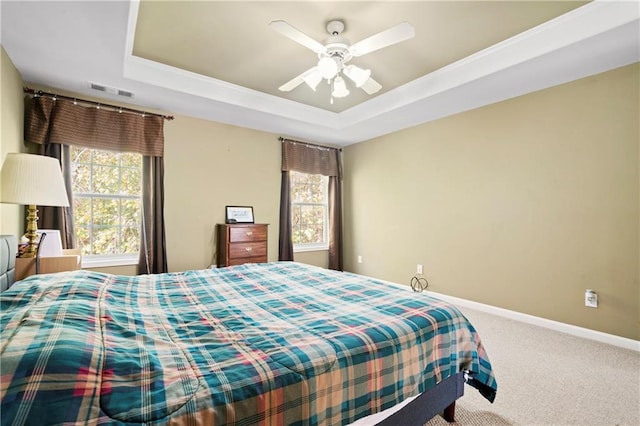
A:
x: 336, y: 52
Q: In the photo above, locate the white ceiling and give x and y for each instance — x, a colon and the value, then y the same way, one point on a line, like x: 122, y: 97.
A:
x: 66, y: 45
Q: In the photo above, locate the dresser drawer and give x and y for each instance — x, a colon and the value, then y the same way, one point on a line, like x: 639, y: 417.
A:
x: 247, y: 234
x: 241, y: 250
x: 243, y: 260
x: 242, y: 243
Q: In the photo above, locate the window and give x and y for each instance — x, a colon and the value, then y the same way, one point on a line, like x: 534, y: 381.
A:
x: 107, y: 204
x: 309, y: 211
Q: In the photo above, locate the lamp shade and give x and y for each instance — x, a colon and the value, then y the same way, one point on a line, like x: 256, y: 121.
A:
x: 32, y: 180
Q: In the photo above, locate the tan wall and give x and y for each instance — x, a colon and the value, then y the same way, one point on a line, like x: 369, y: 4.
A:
x: 523, y: 204
x: 208, y: 166
x: 11, y: 135
x: 317, y: 258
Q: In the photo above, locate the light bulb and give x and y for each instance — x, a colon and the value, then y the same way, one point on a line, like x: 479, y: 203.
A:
x: 327, y: 67
x: 358, y: 75
x: 339, y: 88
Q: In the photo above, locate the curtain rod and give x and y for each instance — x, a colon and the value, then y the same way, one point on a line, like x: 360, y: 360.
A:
x: 310, y: 145
x: 102, y: 104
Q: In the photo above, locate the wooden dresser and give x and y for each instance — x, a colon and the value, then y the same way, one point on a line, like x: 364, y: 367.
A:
x: 241, y: 243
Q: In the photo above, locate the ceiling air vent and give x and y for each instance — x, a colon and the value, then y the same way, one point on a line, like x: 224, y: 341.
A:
x: 98, y: 87
x: 125, y: 93
x: 112, y: 90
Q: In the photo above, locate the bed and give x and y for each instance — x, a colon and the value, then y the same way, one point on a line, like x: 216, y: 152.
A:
x: 267, y: 344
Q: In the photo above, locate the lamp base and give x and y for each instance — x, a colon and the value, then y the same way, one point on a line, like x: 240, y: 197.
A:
x: 31, y: 234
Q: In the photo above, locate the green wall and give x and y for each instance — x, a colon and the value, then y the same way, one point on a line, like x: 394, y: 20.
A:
x: 11, y: 135
x: 523, y: 204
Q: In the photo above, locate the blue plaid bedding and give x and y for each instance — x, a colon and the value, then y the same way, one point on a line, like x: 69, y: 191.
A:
x: 256, y: 344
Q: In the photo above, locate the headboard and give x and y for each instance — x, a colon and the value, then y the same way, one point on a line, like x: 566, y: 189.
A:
x: 8, y: 248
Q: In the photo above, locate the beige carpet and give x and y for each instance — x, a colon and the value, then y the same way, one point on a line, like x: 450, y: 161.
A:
x: 550, y: 378
x: 471, y: 418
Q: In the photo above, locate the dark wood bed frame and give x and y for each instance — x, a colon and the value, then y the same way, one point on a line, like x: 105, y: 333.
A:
x: 438, y: 400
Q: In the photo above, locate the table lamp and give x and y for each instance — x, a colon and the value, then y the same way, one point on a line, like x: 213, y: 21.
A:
x: 32, y: 180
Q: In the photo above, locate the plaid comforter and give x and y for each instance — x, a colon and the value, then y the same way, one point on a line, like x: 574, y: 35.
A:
x: 267, y: 344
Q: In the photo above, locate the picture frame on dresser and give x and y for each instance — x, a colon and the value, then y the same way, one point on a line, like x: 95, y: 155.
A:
x: 239, y: 214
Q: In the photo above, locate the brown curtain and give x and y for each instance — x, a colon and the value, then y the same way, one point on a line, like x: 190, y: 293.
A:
x: 335, y: 223
x: 60, y: 218
x: 49, y: 121
x: 285, y: 243
x: 312, y: 159
x: 153, y: 258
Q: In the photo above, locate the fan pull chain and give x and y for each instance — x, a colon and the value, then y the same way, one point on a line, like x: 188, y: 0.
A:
x: 329, y: 82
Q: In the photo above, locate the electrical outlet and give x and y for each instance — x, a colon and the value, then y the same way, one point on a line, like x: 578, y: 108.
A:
x: 419, y: 269
x: 590, y: 299
x: 359, y: 259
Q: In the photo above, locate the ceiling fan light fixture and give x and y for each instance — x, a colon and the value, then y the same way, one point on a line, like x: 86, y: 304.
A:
x: 339, y: 88
x: 358, y: 75
x: 371, y: 86
x: 336, y: 51
x: 312, y: 79
x: 327, y: 67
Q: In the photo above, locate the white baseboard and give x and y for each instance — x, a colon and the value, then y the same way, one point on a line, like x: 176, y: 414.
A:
x: 586, y: 333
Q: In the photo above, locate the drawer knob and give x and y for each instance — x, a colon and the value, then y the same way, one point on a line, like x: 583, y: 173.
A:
x: 248, y: 249
x: 249, y: 233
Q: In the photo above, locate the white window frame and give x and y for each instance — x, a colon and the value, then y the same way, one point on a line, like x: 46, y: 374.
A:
x: 307, y: 247
x: 106, y: 260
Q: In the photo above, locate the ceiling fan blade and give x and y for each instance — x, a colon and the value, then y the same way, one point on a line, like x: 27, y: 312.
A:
x: 291, y: 84
x: 296, y: 35
x: 298, y: 80
x: 393, y: 35
x: 371, y: 86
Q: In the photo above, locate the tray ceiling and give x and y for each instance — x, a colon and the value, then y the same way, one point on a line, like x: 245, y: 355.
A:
x: 221, y: 61
x: 232, y: 41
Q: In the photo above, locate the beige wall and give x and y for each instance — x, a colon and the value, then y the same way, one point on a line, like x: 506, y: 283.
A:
x: 523, y: 204
x: 317, y: 258
x: 11, y: 135
x: 208, y: 166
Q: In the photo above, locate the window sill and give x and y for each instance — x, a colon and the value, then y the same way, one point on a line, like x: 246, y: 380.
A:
x: 106, y: 261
